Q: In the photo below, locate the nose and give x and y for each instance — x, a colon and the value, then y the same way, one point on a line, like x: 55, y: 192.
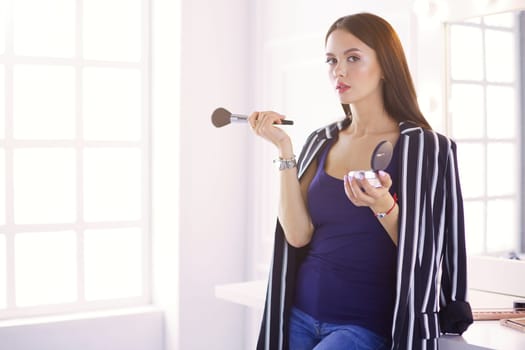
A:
x: 339, y: 70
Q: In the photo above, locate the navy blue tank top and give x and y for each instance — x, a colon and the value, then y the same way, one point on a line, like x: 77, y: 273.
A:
x: 348, y: 275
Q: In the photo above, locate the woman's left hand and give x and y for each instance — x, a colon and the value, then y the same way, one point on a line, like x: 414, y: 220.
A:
x: 361, y: 193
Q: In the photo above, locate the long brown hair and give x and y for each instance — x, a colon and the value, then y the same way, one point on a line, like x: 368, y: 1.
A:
x: 399, y: 94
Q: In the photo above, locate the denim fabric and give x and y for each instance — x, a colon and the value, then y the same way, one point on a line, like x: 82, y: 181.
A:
x: 306, y: 333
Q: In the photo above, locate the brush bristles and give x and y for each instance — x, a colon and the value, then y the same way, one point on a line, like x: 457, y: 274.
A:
x: 220, y: 117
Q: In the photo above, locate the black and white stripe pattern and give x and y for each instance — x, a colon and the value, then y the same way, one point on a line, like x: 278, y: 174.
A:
x: 431, y: 231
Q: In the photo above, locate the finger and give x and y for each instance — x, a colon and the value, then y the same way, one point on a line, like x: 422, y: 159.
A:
x: 364, y: 192
x: 252, y: 119
x: 272, y: 116
x: 385, y: 179
x: 259, y: 122
x: 266, y: 121
x: 362, y: 197
x: 280, y: 118
x: 354, y: 192
x: 365, y: 184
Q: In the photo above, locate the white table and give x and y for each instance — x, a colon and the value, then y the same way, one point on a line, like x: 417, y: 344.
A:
x: 486, y: 335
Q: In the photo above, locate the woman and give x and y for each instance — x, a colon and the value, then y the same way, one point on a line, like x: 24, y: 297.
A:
x: 355, y: 266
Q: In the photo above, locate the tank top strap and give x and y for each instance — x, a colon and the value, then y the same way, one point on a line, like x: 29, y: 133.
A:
x: 324, y: 154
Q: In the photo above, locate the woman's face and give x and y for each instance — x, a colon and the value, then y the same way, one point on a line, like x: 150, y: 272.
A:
x: 353, y: 68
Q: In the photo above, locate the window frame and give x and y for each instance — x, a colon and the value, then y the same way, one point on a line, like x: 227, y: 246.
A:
x: 9, y: 229
x: 485, y: 140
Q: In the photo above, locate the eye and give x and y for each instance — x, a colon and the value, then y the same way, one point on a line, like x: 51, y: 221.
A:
x: 331, y: 60
x: 352, y: 58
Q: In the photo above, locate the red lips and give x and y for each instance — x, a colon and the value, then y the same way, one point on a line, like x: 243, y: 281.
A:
x: 342, y: 87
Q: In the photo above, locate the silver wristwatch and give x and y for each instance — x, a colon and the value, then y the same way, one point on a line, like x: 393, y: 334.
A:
x: 284, y: 164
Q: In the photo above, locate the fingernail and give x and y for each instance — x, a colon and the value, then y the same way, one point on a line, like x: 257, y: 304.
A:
x: 382, y: 173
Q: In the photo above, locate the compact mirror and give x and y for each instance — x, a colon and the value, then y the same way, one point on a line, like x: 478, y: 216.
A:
x: 382, y: 155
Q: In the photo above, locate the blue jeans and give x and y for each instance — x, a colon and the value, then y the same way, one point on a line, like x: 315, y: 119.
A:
x: 306, y: 333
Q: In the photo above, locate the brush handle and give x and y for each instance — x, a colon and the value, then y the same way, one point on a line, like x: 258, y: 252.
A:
x: 235, y: 118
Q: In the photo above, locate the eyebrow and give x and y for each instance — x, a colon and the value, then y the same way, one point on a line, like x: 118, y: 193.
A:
x: 353, y: 49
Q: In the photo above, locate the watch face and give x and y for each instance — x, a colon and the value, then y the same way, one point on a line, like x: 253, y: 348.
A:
x: 286, y: 163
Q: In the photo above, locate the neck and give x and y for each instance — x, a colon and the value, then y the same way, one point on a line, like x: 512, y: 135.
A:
x: 371, y: 119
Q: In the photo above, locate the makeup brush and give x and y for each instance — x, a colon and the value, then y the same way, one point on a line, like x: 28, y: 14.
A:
x: 221, y: 117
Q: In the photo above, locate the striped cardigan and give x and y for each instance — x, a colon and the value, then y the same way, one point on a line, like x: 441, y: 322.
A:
x: 431, y: 246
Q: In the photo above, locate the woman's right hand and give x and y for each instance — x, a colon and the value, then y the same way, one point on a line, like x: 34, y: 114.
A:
x: 264, y: 124
x: 293, y: 214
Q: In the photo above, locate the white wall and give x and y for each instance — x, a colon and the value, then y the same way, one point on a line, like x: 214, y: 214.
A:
x: 215, y: 71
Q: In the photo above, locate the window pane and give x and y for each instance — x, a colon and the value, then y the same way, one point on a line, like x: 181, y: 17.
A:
x: 2, y: 101
x: 112, y: 104
x: 474, y: 226
x: 471, y: 164
x: 44, y: 102
x: 501, y: 226
x: 113, y: 261
x: 45, y: 268
x: 44, y: 27
x: 503, y: 167
x: 112, y: 30
x: 466, y: 110
x: 500, y: 52
x: 44, y: 186
x: 3, y: 286
x: 2, y: 186
x: 504, y: 20
x: 501, y: 112
x: 112, y: 184
x: 465, y: 50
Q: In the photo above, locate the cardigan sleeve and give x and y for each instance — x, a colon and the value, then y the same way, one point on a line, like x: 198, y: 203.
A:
x: 455, y: 313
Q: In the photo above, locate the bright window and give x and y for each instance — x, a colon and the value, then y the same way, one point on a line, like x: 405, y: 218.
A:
x: 484, y: 119
x: 74, y: 155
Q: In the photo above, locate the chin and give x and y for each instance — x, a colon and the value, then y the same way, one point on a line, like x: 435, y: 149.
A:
x: 345, y: 99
